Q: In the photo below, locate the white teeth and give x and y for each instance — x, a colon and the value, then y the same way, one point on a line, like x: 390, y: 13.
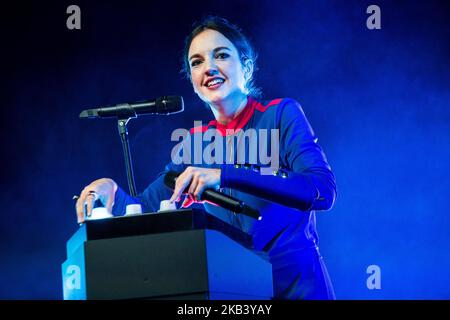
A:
x: 215, y: 81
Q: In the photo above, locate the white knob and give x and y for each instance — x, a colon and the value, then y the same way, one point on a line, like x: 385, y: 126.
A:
x: 99, y: 213
x: 165, y: 205
x: 133, y: 209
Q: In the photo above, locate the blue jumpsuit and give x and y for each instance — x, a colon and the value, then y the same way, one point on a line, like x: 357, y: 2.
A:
x: 286, y: 199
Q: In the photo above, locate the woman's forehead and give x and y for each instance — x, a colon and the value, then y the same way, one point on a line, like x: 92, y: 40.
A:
x: 207, y: 41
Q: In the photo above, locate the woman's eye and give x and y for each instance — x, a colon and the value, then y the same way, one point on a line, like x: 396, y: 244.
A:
x: 222, y: 55
x: 195, y: 63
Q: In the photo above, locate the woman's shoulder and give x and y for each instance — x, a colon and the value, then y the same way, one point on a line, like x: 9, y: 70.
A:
x: 265, y: 104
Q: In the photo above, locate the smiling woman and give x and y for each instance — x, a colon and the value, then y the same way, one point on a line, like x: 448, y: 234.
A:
x: 213, y: 58
x: 235, y: 46
x: 220, y: 63
x: 217, y: 74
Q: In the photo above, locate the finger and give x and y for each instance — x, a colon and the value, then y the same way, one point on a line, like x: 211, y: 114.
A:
x: 89, y: 204
x: 176, y: 196
x: 182, y: 182
x: 175, y: 190
x: 79, y: 209
x: 80, y: 205
x: 199, y: 190
x: 193, y: 184
x: 75, y: 197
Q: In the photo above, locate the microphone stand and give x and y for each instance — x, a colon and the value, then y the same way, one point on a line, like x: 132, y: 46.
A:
x: 123, y: 132
x: 125, y: 112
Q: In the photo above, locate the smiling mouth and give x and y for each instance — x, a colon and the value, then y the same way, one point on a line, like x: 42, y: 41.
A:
x: 214, y: 83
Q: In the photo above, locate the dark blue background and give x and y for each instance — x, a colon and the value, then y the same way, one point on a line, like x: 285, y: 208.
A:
x: 377, y: 99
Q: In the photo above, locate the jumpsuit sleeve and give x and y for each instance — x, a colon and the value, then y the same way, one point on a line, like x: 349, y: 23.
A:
x: 306, y: 184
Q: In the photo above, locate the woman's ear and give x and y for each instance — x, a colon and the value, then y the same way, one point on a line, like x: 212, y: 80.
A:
x: 248, y: 69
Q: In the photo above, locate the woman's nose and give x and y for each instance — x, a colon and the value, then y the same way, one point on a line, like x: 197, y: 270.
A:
x: 211, y: 68
x: 211, y: 71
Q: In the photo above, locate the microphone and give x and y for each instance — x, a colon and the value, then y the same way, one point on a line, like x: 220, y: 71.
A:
x: 216, y: 197
x: 163, y: 105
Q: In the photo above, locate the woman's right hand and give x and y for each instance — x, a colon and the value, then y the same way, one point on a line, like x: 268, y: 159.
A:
x: 103, y: 189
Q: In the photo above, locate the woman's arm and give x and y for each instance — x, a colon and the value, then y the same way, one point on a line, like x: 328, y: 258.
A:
x: 306, y: 184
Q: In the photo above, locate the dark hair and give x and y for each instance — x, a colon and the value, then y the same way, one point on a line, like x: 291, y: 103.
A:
x: 232, y: 33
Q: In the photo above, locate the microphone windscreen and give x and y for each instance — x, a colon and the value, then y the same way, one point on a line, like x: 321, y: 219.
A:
x: 90, y: 113
x: 170, y: 104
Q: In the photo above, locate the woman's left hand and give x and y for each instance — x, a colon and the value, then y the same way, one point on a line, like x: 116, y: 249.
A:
x: 198, y: 179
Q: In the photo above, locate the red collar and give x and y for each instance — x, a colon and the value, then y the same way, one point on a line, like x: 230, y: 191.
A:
x: 235, y: 125
x: 240, y: 121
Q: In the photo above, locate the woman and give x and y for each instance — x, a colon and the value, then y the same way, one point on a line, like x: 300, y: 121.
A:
x: 220, y: 63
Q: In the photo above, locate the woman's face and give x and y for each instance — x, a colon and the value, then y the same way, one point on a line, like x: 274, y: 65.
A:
x: 216, y: 70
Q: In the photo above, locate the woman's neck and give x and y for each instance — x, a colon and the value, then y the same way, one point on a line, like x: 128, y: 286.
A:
x: 227, y: 110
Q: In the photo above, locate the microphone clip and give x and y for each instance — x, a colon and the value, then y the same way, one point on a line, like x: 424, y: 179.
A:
x: 125, y: 112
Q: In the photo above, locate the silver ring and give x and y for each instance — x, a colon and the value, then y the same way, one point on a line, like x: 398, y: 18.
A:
x: 93, y: 193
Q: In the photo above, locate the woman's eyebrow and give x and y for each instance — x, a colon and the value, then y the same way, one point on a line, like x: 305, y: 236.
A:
x: 221, y: 48
x: 197, y: 55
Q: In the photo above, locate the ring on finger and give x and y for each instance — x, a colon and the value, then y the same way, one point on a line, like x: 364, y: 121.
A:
x: 94, y: 194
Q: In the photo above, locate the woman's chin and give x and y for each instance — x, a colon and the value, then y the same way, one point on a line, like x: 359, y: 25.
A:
x: 219, y: 96
x: 214, y: 98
